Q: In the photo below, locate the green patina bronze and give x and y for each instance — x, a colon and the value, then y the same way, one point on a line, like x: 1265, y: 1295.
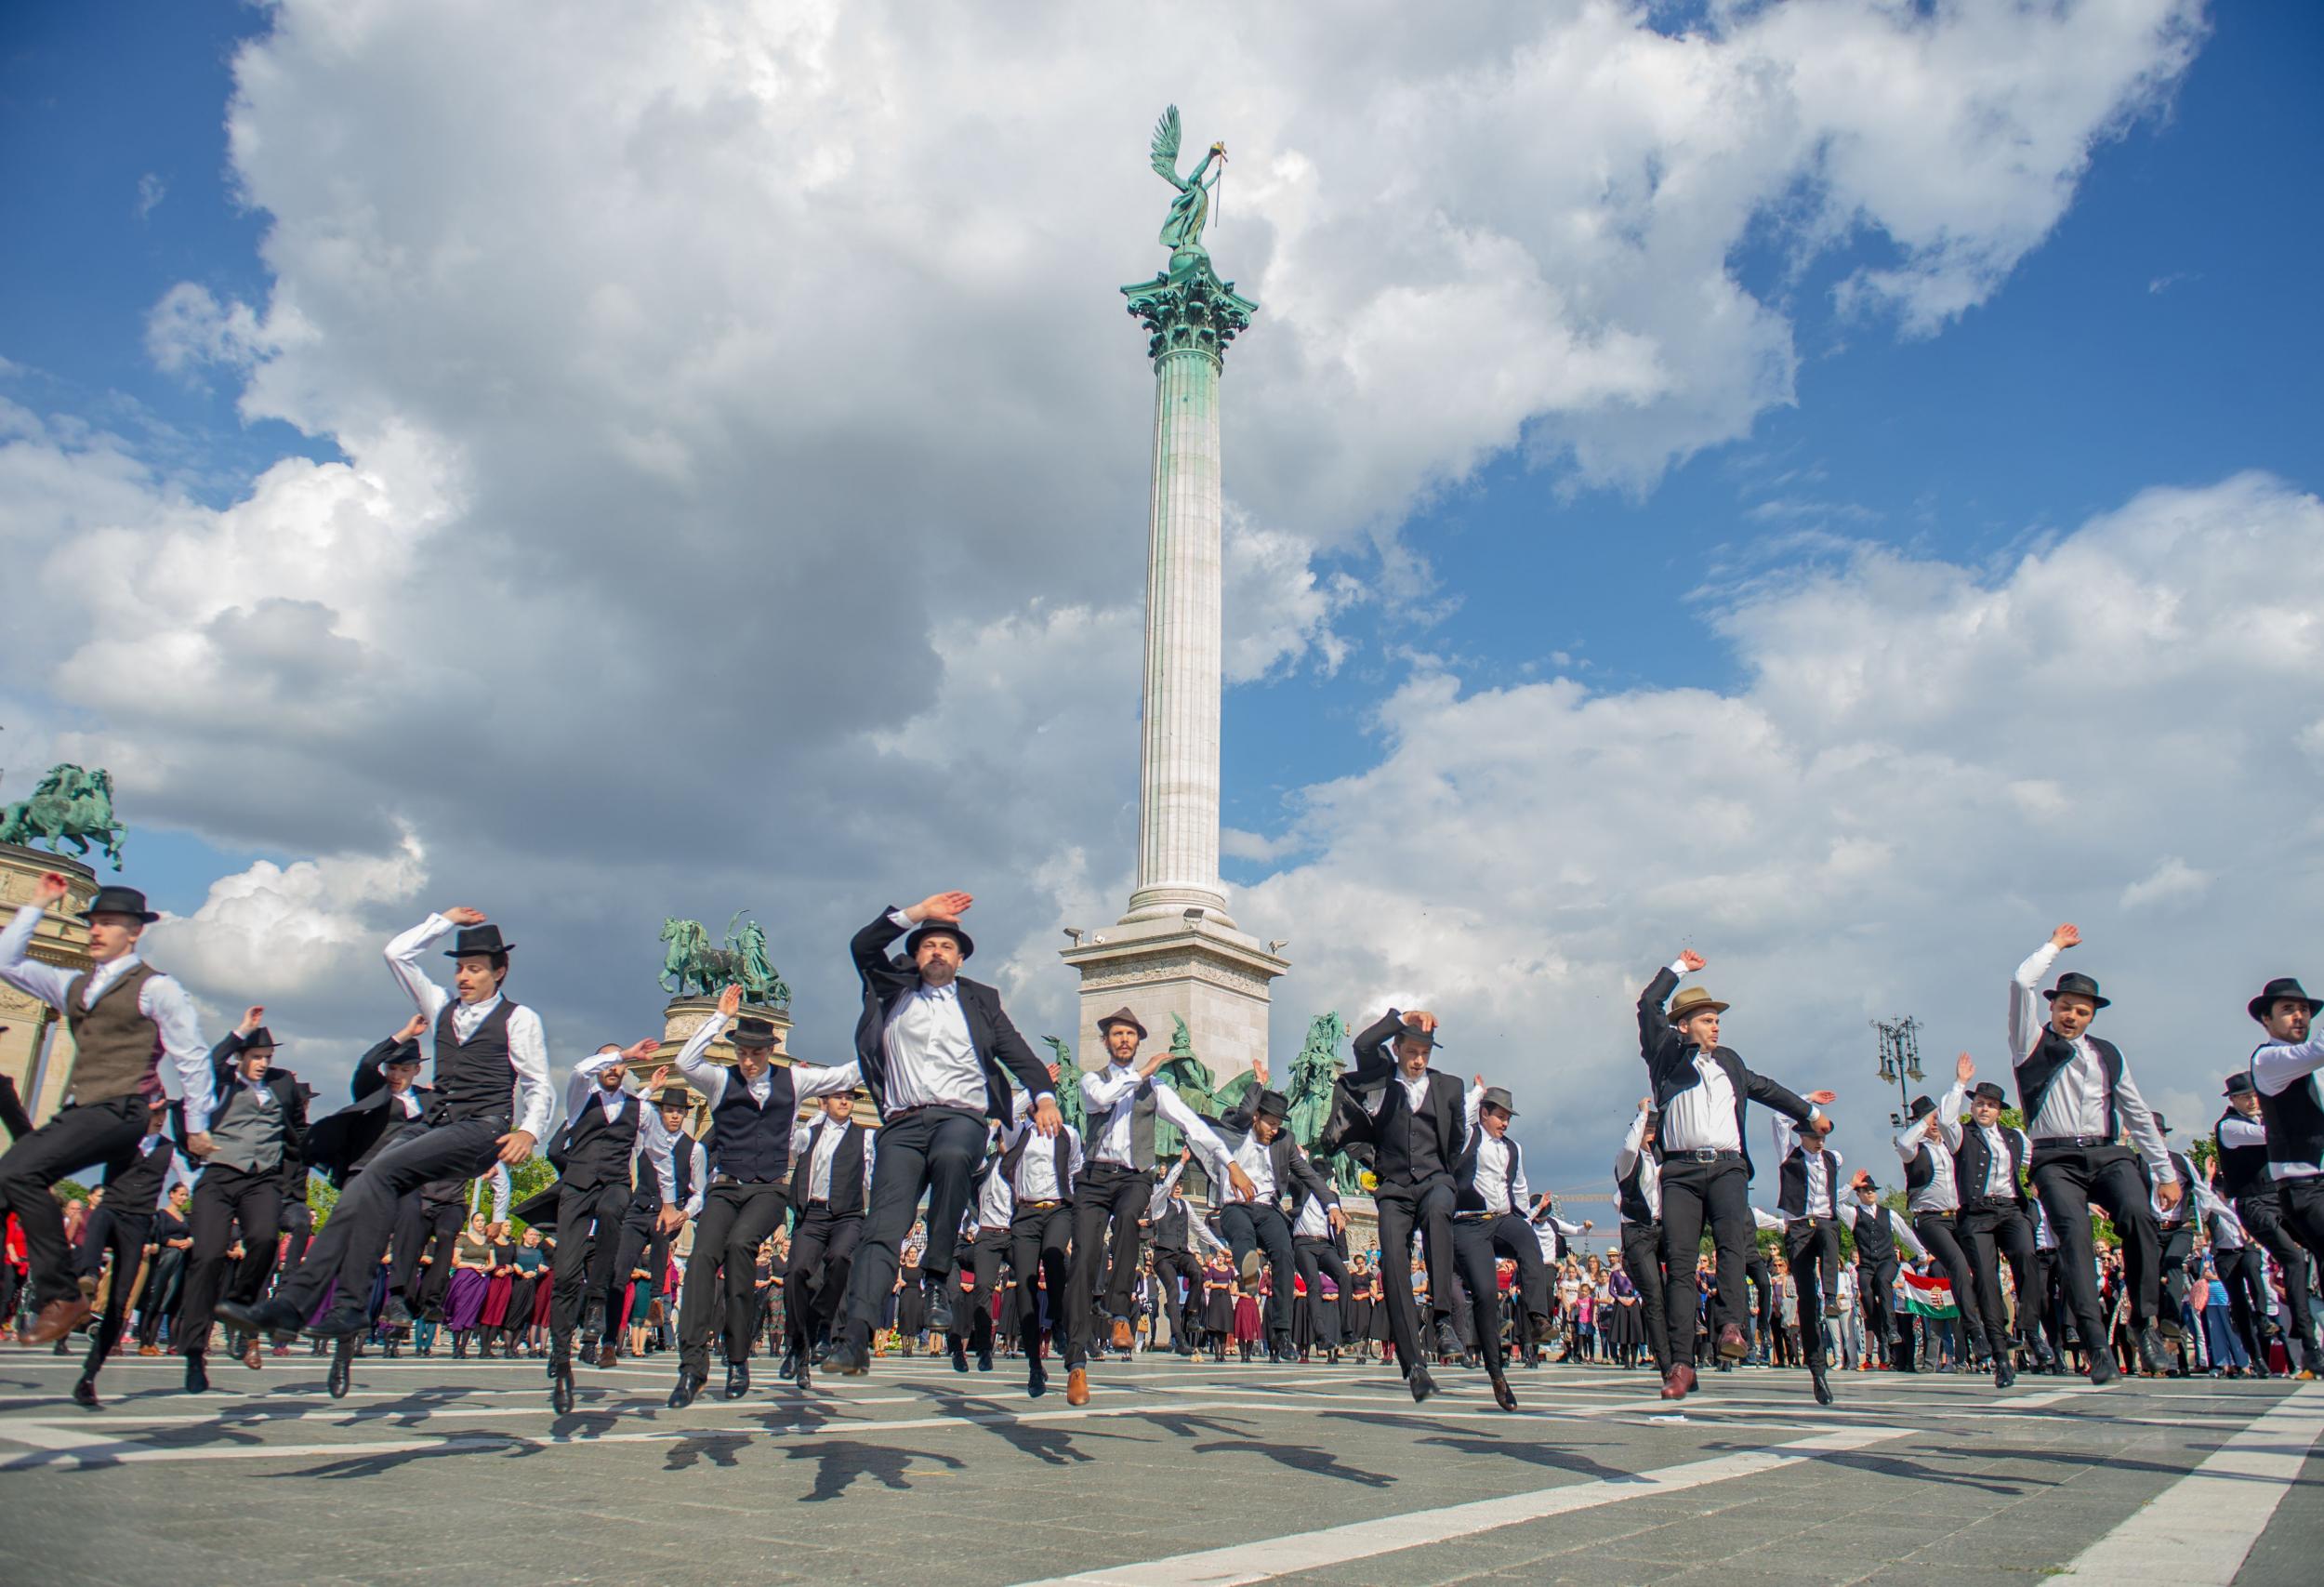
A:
x: 694, y: 964
x: 1068, y: 1085
x: 69, y: 805
x: 1187, y: 307
x: 1313, y: 1073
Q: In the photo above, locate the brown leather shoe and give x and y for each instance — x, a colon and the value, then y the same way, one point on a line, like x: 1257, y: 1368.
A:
x: 251, y: 1358
x: 149, y: 1350
x: 1123, y: 1338
x: 1733, y: 1346
x: 1078, y: 1387
x: 607, y: 1353
x: 56, y: 1320
x: 1679, y: 1380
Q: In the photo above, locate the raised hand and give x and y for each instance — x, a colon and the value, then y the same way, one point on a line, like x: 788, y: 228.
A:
x: 1259, y: 1071
x: 461, y: 915
x: 50, y: 888
x: 659, y: 1079
x: 1420, y: 1019
x: 639, y: 1052
x: 730, y: 999
x: 940, y: 906
x: 1645, y: 1105
x: 1863, y: 1178
x: 1821, y: 1099
x: 252, y: 1018
x: 1692, y: 959
x: 1964, y: 1069
x: 414, y: 1029
x: 2065, y: 937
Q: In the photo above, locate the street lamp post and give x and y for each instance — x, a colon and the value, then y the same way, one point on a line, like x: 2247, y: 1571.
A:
x: 1900, y: 1061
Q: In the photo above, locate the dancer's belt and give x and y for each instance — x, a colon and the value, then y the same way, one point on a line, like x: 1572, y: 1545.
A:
x: 2072, y: 1142
x: 1991, y: 1204
x: 1039, y: 1206
x: 1701, y: 1155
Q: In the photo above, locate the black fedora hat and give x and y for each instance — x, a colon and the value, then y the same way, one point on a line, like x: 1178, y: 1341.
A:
x: 752, y: 1031
x: 478, y: 941
x: 119, y: 901
x: 403, y: 1053
x: 2074, y: 983
x: 1119, y: 1016
x: 1989, y: 1091
x: 673, y: 1096
x: 2161, y: 1126
x: 261, y: 1036
x: 1413, y: 1033
x: 2283, y: 989
x: 1923, y: 1106
x: 1272, y: 1104
x: 927, y: 929
x: 2240, y: 1084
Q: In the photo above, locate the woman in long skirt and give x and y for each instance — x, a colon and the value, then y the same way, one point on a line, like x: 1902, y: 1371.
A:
x: 1248, y: 1329
x: 498, y: 1291
x: 911, y: 1303
x: 526, y: 1267
x: 1358, y: 1303
x: 1218, y: 1305
x: 472, y: 1279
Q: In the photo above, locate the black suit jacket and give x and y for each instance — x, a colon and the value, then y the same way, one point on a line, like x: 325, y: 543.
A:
x: 1671, y: 1062
x: 1376, y: 1067
x: 1296, y: 1176
x: 289, y: 1094
x: 999, y: 1049
x: 338, y: 1145
x: 13, y: 1118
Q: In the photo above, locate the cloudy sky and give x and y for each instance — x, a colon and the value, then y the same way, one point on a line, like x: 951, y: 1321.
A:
x: 1829, y: 484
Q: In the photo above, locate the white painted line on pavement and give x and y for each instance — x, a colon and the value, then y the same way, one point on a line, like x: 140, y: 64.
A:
x: 2199, y: 1529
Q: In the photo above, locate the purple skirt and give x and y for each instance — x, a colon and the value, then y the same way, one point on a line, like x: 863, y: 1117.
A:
x: 464, y: 1303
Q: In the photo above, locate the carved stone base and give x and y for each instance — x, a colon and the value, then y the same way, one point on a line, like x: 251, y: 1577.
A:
x: 1214, y: 977
x: 62, y: 940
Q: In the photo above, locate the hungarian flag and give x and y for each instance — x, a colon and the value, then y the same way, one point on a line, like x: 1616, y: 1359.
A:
x: 1929, y: 1297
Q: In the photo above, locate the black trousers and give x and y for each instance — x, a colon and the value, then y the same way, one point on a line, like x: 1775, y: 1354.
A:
x: 1038, y: 1237
x: 1811, y: 1247
x: 83, y: 1136
x: 929, y: 1149
x: 1940, y: 1232
x: 1475, y: 1245
x: 642, y: 1244
x: 1516, y: 1238
x: 737, y: 1216
x: 1989, y: 1231
x: 588, y: 1240
x: 298, y: 1223
x: 823, y: 1250
x: 2244, y: 1272
x: 973, y: 1314
x: 223, y: 1198
x: 2174, y: 1246
x: 1695, y: 1194
x: 2068, y: 1179
x: 1762, y: 1279
x: 1264, y: 1228
x: 1641, y: 1259
x: 1876, y: 1284
x: 1187, y: 1316
x: 1314, y: 1257
x: 1107, y: 1193
x: 164, y: 1287
x: 124, y: 1238
x: 2287, y: 1239
x: 356, y: 1235
x: 421, y: 1227
x: 1403, y: 1208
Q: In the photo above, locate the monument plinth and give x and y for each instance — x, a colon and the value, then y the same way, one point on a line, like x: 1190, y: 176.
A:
x: 37, y: 1047
x: 1177, y: 950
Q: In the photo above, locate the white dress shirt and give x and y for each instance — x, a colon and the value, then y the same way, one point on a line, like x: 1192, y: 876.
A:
x: 997, y: 1203
x: 186, y: 1072
x: 1702, y: 1116
x: 1633, y: 1152
x: 2000, y: 1168
x: 823, y: 1137
x: 1941, y: 1194
x: 653, y: 1145
x: 2278, y: 1066
x: 1255, y: 1158
x: 931, y: 1059
x: 807, y: 1081
x: 533, y: 1104
x: 1315, y: 1221
x: 1495, y: 1160
x: 1112, y: 1088
x: 2076, y: 1101
x: 660, y: 1138
x: 1821, y: 1190
x: 499, y: 1182
x: 1036, y: 1166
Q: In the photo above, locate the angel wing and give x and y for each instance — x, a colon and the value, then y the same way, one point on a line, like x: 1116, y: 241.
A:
x: 1166, y: 136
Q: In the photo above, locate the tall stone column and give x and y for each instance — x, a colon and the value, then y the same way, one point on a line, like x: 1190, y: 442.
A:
x: 1177, y: 952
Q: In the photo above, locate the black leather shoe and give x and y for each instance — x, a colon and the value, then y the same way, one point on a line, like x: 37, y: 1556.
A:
x: 2103, y: 1369
x: 1421, y: 1383
x: 1823, y: 1385
x: 737, y: 1379
x: 984, y: 1359
x: 1036, y: 1379
x: 788, y: 1368
x: 848, y: 1359
x: 561, y: 1388
x: 197, y: 1373
x: 822, y: 1352
x: 806, y: 1379
x: 1503, y: 1396
x: 342, y: 1373
x: 2005, y: 1369
x: 395, y: 1314
x: 593, y: 1325
x: 271, y: 1315
x: 85, y: 1394
x: 940, y: 1304
x: 689, y: 1384
x: 959, y: 1354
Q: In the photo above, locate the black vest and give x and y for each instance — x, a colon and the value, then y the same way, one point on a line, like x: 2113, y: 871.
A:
x: 1467, y: 1197
x: 847, y: 1167
x: 1875, y: 1242
x: 2172, y: 1217
x: 1141, y: 1107
x: 1169, y: 1225
x: 1409, y: 1149
x: 682, y: 1173
x: 2243, y: 1169
x: 1791, y: 1198
x: 1015, y: 1154
x: 2040, y: 1069
x: 1920, y: 1172
x: 750, y: 1143
x: 2295, y: 1123
x: 476, y: 1079
x: 593, y: 1152
x: 1973, y: 1161
x: 1631, y: 1195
